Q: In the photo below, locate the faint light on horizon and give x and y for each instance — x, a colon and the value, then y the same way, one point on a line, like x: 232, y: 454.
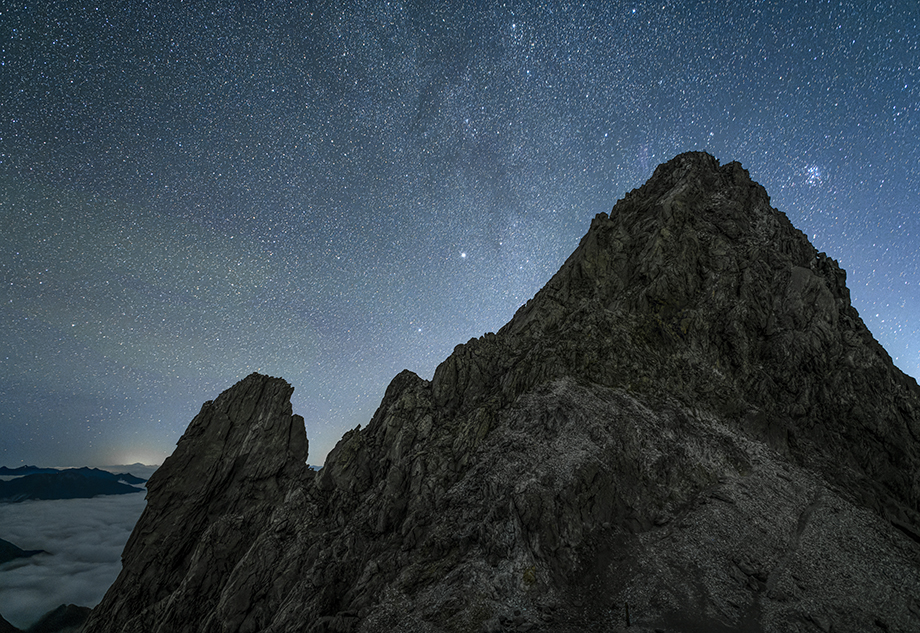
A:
x: 140, y: 457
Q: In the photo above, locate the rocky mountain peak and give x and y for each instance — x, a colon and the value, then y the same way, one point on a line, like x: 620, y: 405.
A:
x: 694, y: 287
x: 689, y: 418
x: 206, y: 504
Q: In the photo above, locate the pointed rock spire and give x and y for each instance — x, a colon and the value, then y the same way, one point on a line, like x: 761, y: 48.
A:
x: 206, y: 505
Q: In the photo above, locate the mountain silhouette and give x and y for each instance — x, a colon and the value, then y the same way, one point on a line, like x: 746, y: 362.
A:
x: 72, y: 483
x: 689, y: 428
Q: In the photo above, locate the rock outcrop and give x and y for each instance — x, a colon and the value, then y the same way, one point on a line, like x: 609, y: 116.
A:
x: 207, y: 504
x: 689, y: 428
x: 6, y: 627
x: 9, y: 552
x: 67, y: 618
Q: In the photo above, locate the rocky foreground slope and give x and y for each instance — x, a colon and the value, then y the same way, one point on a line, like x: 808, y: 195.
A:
x: 688, y: 429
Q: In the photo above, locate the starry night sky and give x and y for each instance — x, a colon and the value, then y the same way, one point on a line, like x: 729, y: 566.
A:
x: 332, y: 192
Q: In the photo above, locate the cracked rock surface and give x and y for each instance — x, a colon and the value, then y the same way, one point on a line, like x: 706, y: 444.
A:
x: 688, y: 429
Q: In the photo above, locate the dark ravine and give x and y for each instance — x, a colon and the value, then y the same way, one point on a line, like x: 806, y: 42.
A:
x: 690, y: 418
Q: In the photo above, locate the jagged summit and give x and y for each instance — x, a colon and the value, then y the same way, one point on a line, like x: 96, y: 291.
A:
x: 690, y: 417
x: 694, y: 288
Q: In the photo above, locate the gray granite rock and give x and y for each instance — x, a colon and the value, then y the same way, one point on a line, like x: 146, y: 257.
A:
x: 207, y: 505
x: 690, y: 418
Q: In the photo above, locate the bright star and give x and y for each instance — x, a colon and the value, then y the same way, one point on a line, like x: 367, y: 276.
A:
x: 815, y: 176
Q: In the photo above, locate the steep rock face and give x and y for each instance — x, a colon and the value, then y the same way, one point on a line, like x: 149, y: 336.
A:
x: 689, y: 418
x: 206, y: 504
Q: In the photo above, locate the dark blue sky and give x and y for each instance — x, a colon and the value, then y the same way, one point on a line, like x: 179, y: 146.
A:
x: 332, y: 192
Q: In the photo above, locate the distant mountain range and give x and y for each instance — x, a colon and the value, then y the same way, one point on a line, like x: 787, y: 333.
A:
x: 72, y: 483
x: 25, y: 470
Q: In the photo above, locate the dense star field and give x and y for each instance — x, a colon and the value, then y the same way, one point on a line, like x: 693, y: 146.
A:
x: 190, y: 193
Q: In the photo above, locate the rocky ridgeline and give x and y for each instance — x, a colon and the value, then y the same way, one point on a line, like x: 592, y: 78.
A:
x: 689, y: 428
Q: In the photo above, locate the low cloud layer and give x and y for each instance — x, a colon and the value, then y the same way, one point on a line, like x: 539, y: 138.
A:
x: 84, y: 539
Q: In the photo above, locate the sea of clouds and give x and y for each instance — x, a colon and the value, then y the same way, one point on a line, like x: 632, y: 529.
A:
x: 84, y: 539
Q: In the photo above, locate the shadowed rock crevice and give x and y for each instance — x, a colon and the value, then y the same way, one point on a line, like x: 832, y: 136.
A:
x: 690, y: 418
